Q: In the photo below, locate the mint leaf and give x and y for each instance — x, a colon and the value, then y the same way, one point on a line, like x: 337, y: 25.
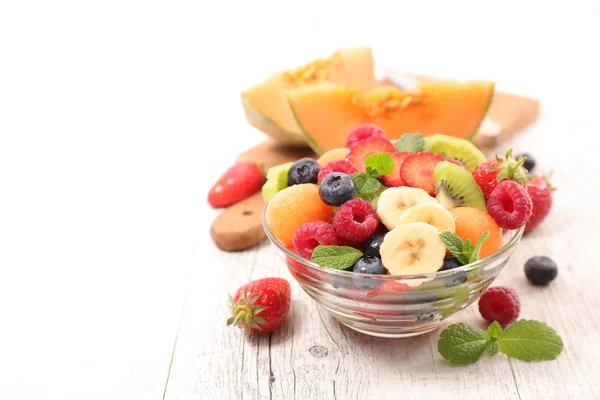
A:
x: 372, y: 197
x: 336, y: 257
x: 412, y: 142
x: 365, y: 184
x: 371, y: 185
x: 382, y: 163
x: 475, y: 254
x: 494, y: 330
x: 456, y: 246
x: 467, y: 251
x: 462, y: 343
x: 452, y: 242
x: 492, y: 348
x: 463, y: 250
x: 528, y: 340
x: 359, y: 179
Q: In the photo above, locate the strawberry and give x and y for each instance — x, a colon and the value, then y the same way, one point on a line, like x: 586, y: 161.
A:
x: 260, y: 306
x: 388, y: 287
x: 417, y: 171
x: 540, y: 192
x: 393, y: 179
x: 239, y: 182
x: 491, y: 172
x: 365, y: 147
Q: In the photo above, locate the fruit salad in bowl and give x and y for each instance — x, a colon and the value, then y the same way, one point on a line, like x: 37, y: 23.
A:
x: 393, y: 238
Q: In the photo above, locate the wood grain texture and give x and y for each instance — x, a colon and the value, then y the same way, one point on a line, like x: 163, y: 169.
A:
x: 314, y: 357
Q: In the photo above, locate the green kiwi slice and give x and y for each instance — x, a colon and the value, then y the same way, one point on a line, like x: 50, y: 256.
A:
x: 458, y: 149
x: 456, y: 187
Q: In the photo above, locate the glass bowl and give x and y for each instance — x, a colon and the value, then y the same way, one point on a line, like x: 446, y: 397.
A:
x: 388, y: 305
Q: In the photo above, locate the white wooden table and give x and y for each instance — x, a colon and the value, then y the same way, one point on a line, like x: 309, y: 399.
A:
x: 116, y: 117
x: 314, y: 357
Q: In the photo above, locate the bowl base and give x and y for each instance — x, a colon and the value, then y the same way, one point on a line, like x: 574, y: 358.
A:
x: 394, y: 335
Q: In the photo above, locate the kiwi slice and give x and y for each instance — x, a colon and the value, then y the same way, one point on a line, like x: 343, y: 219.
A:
x: 458, y: 149
x: 456, y: 187
x: 276, y: 180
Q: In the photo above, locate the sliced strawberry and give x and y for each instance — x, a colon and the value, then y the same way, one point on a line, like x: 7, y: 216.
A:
x: 368, y: 146
x: 389, y: 287
x: 393, y: 179
x: 417, y: 170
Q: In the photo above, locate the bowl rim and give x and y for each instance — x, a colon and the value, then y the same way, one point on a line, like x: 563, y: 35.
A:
x: 506, y: 248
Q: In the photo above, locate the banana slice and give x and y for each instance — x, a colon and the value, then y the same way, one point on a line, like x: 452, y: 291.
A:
x: 430, y: 213
x: 413, y: 249
x: 394, y: 201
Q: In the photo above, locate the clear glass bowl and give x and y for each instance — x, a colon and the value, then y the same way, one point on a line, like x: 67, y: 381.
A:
x: 376, y: 305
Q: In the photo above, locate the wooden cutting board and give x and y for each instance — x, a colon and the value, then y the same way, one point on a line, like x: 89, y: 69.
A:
x: 508, y: 114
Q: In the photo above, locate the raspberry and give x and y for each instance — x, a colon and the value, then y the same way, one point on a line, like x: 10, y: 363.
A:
x: 500, y: 304
x: 355, y: 221
x: 312, y: 234
x: 510, y: 205
x: 362, y: 132
x: 343, y: 166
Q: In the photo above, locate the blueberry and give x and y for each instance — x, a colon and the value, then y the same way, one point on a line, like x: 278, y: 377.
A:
x: 529, y: 161
x: 336, y: 189
x: 304, y: 170
x: 338, y: 281
x: 368, y: 265
x: 373, y: 245
x: 540, y: 270
x: 454, y: 280
x: 450, y: 263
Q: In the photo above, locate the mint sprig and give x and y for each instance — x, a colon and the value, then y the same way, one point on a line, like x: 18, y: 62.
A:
x: 525, y: 340
x: 412, y: 142
x: 336, y: 257
x: 463, y: 250
x: 366, y: 183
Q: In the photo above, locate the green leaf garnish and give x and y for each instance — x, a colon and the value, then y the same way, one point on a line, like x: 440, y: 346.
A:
x: 494, y: 330
x: 524, y: 340
x: 365, y: 184
x: 528, y: 340
x: 380, y: 163
x: 412, y: 142
x: 336, y: 257
x: 462, y: 343
x: 463, y: 250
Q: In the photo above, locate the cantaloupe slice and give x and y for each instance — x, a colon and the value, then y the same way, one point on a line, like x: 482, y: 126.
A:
x: 328, y: 112
x: 266, y: 104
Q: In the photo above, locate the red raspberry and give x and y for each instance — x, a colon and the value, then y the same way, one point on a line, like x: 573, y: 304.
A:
x: 312, y: 234
x: 362, y: 132
x: 343, y: 166
x: 489, y: 173
x: 355, y: 221
x: 500, y: 304
x: 510, y: 205
x: 540, y: 191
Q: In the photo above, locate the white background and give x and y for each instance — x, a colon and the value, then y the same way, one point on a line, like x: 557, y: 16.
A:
x: 117, y: 116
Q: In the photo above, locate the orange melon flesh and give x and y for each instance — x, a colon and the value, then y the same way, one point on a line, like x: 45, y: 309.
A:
x: 266, y: 105
x: 328, y: 112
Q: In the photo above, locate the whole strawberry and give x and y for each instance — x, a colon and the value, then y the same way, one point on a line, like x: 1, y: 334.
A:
x: 540, y: 190
x: 238, y: 182
x: 260, y: 306
x: 493, y: 171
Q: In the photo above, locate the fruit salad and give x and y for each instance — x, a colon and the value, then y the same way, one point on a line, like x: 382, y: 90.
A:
x: 414, y: 206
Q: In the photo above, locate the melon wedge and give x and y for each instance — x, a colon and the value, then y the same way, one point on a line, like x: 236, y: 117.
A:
x: 266, y: 104
x: 328, y: 112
